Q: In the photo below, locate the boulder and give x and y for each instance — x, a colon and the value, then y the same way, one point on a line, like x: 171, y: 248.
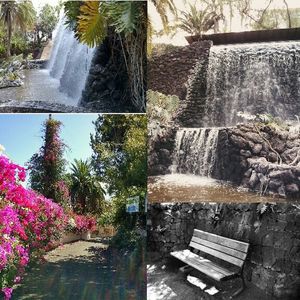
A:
x: 292, y: 188
x: 285, y: 175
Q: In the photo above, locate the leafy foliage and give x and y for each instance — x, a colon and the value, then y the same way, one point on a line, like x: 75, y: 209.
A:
x: 193, y: 21
x: 47, y: 167
x: 120, y: 158
x: 86, y: 190
x: 92, y: 25
x: 46, y: 23
x: 127, y: 21
x: 160, y: 109
x: 16, y: 15
x: 120, y: 150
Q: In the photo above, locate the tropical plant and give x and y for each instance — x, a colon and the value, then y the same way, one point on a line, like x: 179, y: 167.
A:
x: 194, y: 20
x: 86, y: 191
x: 47, y: 167
x: 16, y: 14
x: 163, y: 7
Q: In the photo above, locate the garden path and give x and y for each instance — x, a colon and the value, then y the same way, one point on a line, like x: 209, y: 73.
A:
x: 84, y: 270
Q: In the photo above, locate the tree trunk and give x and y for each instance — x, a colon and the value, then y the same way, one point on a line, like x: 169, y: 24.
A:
x: 9, y: 35
x: 288, y: 13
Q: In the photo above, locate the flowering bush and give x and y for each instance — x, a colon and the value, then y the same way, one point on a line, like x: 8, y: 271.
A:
x: 30, y: 224
x: 79, y: 223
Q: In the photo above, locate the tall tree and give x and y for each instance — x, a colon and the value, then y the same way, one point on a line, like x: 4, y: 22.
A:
x: 120, y: 151
x: 16, y: 14
x: 86, y: 190
x: 47, y: 167
x: 120, y: 158
x: 46, y: 22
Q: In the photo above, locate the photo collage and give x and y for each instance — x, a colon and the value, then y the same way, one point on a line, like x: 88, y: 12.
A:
x: 150, y: 150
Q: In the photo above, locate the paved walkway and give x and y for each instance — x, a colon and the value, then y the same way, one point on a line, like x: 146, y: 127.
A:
x: 166, y: 283
x: 84, y: 270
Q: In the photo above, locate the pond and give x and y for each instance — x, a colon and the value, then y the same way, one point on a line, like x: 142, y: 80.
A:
x: 38, y: 86
x: 192, y: 188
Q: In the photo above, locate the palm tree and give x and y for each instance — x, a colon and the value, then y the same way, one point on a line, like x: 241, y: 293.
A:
x: 163, y: 7
x: 86, y: 191
x: 194, y: 20
x: 16, y: 14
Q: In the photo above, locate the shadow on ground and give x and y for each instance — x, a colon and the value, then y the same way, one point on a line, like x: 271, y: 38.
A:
x: 165, y: 282
x: 85, y: 271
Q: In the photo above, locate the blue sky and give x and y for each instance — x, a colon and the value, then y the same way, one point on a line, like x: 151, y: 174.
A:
x: 21, y: 135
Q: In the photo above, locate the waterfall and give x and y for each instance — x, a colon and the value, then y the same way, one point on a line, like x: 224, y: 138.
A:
x: 70, y: 61
x: 195, y: 151
x: 253, y: 78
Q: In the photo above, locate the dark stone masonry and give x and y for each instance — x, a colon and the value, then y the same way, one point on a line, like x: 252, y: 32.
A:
x: 107, y: 83
x: 261, y: 158
x: 273, y: 231
x: 170, y: 73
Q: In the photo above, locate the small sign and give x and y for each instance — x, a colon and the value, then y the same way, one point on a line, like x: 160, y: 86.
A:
x: 132, y: 205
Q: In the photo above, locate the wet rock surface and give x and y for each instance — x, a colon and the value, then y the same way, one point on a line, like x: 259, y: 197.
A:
x: 160, y: 153
x: 261, y: 158
x: 37, y: 106
x: 106, y: 89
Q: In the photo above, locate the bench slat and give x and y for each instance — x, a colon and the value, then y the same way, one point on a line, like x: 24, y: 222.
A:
x: 218, y: 247
x: 234, y: 244
x: 204, y: 265
x: 233, y: 260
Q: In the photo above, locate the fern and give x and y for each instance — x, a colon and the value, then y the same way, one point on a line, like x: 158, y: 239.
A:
x: 92, y: 25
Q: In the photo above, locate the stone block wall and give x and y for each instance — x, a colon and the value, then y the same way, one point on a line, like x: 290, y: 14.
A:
x: 170, y: 72
x: 273, y: 231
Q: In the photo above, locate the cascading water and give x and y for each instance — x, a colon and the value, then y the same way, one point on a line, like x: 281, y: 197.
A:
x: 254, y: 79
x: 70, y: 61
x: 195, y: 151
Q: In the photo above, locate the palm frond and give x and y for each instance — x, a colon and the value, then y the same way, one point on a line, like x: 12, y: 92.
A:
x: 92, y: 25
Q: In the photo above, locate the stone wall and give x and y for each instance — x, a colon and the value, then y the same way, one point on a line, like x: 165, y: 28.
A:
x: 160, y: 151
x: 107, y: 83
x: 260, y: 158
x: 170, y: 72
x: 273, y: 231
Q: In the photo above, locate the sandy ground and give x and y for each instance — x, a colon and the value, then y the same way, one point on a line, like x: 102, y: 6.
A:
x: 84, y: 270
x: 165, y: 282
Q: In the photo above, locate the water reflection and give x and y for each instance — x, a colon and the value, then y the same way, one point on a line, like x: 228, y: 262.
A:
x: 191, y: 188
x: 38, y: 86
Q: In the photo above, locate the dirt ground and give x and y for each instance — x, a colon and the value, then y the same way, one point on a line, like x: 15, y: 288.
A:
x: 165, y: 282
x: 84, y: 270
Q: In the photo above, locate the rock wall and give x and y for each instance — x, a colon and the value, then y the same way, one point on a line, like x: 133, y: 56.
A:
x: 160, y: 151
x: 107, y: 83
x: 260, y: 158
x: 170, y: 72
x: 273, y: 231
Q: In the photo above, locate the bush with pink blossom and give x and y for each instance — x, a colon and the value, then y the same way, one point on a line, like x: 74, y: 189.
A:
x: 30, y: 224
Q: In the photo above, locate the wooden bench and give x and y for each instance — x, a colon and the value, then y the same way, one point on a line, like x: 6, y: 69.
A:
x: 222, y: 250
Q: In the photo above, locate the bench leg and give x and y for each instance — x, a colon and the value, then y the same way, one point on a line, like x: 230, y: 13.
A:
x: 236, y: 293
